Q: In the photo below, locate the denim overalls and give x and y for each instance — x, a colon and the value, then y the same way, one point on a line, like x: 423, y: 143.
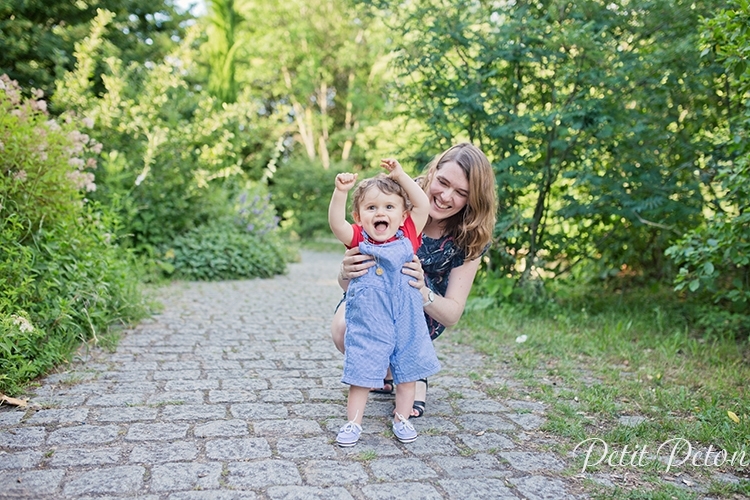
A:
x: 385, y: 322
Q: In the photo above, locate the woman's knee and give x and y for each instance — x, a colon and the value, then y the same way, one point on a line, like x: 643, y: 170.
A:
x: 338, y: 329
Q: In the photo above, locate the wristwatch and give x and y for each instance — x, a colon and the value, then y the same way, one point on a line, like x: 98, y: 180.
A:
x: 430, y: 298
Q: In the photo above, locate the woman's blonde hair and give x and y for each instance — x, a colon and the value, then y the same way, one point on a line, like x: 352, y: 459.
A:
x: 472, y: 228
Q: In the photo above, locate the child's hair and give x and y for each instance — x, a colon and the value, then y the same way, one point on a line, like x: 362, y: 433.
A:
x: 384, y: 184
x: 473, y: 226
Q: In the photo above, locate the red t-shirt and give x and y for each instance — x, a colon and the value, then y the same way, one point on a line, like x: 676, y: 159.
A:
x: 409, y: 229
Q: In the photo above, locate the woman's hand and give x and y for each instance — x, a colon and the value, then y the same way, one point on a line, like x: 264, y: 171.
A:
x: 354, y: 264
x: 414, y: 269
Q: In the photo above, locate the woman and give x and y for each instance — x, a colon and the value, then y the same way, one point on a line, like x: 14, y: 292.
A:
x: 460, y: 184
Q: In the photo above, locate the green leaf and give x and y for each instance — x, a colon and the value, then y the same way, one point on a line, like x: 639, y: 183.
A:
x: 694, y: 285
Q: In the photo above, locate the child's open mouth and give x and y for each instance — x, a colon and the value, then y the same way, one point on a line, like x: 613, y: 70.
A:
x: 381, y: 226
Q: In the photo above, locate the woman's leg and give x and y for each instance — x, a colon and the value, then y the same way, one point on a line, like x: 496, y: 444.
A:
x: 338, y: 327
x: 420, y: 397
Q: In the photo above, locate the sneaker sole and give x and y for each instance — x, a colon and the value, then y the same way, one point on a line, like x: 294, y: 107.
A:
x: 346, y: 445
x: 407, y: 440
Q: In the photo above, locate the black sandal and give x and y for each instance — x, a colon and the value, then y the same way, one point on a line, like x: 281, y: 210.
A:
x: 419, y: 406
x: 387, y: 382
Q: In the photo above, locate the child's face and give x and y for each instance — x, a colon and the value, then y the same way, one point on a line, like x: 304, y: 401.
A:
x: 380, y: 214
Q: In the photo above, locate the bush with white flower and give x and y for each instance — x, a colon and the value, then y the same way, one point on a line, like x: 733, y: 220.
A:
x: 62, y: 280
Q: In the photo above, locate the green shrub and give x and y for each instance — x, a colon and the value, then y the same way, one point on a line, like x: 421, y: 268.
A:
x: 62, y: 278
x: 174, y: 155
x: 301, y: 191
x: 224, y: 250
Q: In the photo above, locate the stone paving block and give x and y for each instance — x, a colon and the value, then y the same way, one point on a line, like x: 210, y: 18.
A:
x: 480, y: 406
x: 299, y: 364
x: 308, y: 493
x: 222, y: 428
x: 398, y: 491
x: 531, y: 461
x: 275, y: 374
x: 262, y: 474
x: 406, y: 469
x: 75, y: 457
x: 324, y: 374
x: 185, y: 476
x: 121, y: 480
x: 8, y: 418
x: 333, y: 472
x: 177, y: 366
x: 126, y: 376
x: 127, y: 414
x: 281, y: 396
x: 58, y: 416
x: 265, y: 369
x: 30, y: 484
x: 528, y: 421
x: 144, y: 387
x: 60, y: 400
x: 288, y: 427
x: 434, y: 425
x: 213, y: 495
x: 541, y: 488
x: 238, y: 449
x: 84, y: 434
x: 427, y: 445
x: 153, y: 453
x: 193, y: 412
x: 478, y: 422
x: 314, y: 447
x: 177, y: 375
x: 156, y: 432
x: 20, y: 460
x: 65, y: 378
x: 244, y: 384
x: 486, y: 489
x: 374, y: 443
x: 525, y: 405
x: 117, y: 399
x: 486, y: 441
x: 139, y: 366
x: 191, y: 385
x: 317, y: 410
x: 480, y: 465
x: 235, y: 396
x: 258, y: 411
x: 177, y: 397
x: 327, y: 394
x: 290, y: 383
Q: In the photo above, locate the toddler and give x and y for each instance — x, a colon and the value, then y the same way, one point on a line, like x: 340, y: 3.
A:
x: 385, y: 323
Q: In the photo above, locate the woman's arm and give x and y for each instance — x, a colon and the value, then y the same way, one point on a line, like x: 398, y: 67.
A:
x: 449, y: 308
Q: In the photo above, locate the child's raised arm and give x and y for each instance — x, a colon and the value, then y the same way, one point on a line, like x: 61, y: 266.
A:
x: 419, y: 201
x: 337, y: 208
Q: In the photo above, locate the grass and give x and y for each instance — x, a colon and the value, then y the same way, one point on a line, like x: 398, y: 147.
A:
x: 628, y: 368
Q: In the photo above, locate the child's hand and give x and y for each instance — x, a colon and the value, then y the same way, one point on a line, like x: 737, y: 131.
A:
x: 392, y: 166
x: 345, y: 181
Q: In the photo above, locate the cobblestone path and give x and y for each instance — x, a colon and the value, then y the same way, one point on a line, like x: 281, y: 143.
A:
x: 233, y: 392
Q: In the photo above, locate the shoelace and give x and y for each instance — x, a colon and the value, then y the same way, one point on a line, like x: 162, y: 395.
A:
x: 405, y: 421
x: 349, y: 427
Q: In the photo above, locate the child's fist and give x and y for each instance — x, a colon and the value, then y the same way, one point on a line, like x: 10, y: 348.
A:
x: 345, y: 181
x: 392, y: 166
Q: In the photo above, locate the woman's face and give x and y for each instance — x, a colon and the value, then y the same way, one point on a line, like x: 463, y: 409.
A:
x: 448, y: 191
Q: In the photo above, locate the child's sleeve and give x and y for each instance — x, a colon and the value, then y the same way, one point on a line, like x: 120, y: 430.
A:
x: 357, y: 237
x: 410, y: 231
